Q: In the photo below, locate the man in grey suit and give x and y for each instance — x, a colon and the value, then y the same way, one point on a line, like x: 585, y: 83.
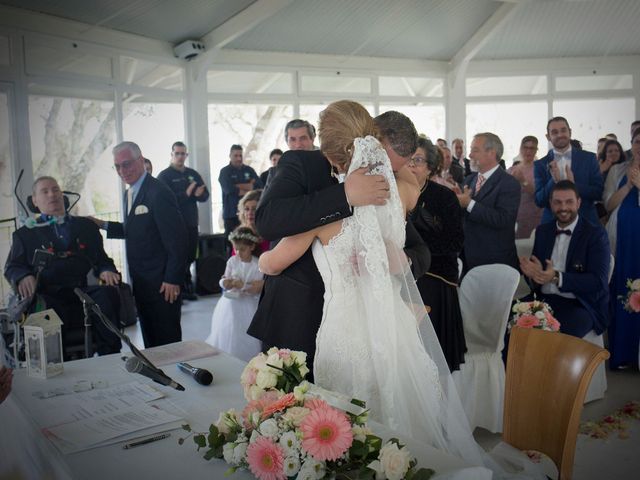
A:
x: 490, y: 198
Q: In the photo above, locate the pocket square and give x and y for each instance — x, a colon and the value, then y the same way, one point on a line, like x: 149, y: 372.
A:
x: 578, y: 267
x: 140, y: 210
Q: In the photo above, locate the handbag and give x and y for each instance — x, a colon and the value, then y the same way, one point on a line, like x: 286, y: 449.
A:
x: 128, y: 313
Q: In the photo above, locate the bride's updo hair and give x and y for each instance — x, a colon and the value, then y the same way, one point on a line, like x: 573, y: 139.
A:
x: 340, y: 123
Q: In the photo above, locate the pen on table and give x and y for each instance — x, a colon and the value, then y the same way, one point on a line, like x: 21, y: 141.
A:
x: 146, y: 440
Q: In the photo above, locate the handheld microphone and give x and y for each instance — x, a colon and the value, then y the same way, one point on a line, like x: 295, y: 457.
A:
x: 135, y: 365
x: 202, y: 376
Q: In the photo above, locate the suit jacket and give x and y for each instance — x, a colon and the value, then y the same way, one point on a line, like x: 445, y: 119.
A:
x: 588, y: 180
x: 457, y: 172
x: 155, y: 236
x: 85, y: 252
x: 302, y: 195
x: 587, y: 266
x: 489, y: 230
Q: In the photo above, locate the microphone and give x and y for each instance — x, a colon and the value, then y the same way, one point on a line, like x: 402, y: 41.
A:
x: 135, y: 365
x: 202, y: 376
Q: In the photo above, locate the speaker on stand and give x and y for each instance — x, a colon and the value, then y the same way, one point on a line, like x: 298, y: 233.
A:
x: 211, y: 263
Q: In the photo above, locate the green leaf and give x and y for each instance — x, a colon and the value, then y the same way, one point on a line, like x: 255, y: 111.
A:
x: 423, y: 474
x: 210, y: 454
x: 186, y: 427
x: 230, y: 471
x: 200, y: 440
x: 359, y: 403
x: 213, y: 429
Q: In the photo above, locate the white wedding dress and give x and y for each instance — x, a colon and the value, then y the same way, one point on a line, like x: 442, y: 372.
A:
x: 376, y: 343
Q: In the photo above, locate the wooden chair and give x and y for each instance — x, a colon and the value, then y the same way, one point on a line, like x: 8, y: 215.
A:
x: 546, y: 381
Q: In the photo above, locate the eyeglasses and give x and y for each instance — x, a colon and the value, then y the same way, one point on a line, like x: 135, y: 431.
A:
x: 126, y: 165
x: 417, y: 161
x: 179, y: 154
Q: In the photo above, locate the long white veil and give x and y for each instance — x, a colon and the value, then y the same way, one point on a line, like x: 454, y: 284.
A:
x: 417, y: 393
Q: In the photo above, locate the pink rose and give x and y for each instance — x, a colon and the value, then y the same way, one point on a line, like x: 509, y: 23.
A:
x: 634, y: 301
x: 527, y: 321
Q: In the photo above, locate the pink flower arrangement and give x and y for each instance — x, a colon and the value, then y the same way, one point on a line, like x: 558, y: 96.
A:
x: 326, y: 433
x: 535, y: 314
x: 289, y: 431
x: 631, y: 300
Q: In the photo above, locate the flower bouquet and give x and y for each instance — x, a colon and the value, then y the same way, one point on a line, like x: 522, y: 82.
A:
x: 631, y: 300
x: 534, y: 314
x: 288, y: 431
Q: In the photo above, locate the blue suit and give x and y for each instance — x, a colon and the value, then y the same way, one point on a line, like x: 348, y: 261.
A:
x: 586, y: 275
x: 588, y: 180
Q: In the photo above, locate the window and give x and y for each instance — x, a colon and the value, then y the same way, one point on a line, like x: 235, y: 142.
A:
x: 135, y: 71
x: 337, y: 83
x: 411, y: 87
x: 522, y: 85
x: 257, y: 128
x: 428, y: 119
x: 594, y: 82
x: 219, y: 81
x: 7, y: 205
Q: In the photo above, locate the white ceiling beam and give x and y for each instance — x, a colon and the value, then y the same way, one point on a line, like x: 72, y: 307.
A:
x: 270, y: 81
x: 242, y: 22
x: 479, y: 39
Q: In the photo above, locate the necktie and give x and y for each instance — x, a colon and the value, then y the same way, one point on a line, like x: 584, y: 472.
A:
x: 129, y: 199
x: 479, y: 182
x: 563, y: 232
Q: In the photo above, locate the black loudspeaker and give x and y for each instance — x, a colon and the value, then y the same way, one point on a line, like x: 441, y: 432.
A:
x: 211, y: 263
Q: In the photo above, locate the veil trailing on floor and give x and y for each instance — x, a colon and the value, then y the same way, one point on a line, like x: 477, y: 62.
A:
x: 417, y: 394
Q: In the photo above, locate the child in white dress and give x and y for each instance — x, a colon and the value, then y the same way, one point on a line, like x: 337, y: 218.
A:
x: 242, y: 283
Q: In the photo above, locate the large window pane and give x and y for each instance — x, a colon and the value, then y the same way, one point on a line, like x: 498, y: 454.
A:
x: 510, y: 121
x: 592, y: 119
x: 428, y: 119
x: 594, y: 82
x: 411, y: 86
x: 521, y: 85
x: 6, y: 191
x: 71, y: 140
x: 154, y: 127
x: 257, y: 128
x: 220, y: 81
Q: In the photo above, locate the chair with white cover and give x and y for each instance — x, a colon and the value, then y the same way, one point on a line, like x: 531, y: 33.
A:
x: 598, y: 384
x: 485, y: 302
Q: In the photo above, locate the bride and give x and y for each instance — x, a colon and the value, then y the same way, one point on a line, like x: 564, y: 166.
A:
x: 369, y: 345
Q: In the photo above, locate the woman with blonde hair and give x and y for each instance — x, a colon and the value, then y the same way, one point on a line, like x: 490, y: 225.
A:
x: 368, y: 345
x: 247, y: 207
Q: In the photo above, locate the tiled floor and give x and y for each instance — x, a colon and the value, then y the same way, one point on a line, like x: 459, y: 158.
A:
x: 610, y: 459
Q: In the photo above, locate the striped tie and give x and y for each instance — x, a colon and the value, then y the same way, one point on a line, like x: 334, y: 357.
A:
x: 479, y: 182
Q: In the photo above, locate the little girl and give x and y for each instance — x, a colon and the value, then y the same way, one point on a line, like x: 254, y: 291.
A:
x: 242, y: 283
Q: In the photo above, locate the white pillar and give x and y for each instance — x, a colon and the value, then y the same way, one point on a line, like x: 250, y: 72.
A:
x: 456, y: 105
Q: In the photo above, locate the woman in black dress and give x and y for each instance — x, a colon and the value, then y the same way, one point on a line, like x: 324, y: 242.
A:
x: 438, y: 219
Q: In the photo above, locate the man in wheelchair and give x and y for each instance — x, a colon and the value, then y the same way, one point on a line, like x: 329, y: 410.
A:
x: 74, y: 247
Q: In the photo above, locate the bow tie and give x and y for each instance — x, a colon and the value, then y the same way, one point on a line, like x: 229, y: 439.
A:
x: 565, y: 232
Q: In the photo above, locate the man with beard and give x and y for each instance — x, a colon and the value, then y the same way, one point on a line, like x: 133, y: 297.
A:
x: 569, y: 265
x: 564, y: 162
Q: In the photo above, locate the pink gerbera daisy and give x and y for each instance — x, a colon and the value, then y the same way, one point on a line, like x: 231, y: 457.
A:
x: 313, y: 403
x: 527, y: 321
x: 326, y: 433
x: 634, y: 301
x: 283, y: 402
x: 266, y: 459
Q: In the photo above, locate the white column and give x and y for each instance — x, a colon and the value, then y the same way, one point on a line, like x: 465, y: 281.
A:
x: 456, y: 105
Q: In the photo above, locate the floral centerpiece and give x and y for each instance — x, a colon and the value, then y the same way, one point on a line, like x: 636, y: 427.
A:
x: 287, y: 430
x: 631, y: 300
x: 534, y: 314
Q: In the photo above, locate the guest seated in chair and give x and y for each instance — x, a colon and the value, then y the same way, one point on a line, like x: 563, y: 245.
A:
x: 75, y: 245
x: 569, y: 265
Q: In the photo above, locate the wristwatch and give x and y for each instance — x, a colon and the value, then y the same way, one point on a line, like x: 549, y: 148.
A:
x: 556, y: 277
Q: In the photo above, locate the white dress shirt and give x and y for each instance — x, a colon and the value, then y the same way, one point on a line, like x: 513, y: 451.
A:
x: 486, y: 176
x: 559, y: 259
x: 563, y: 159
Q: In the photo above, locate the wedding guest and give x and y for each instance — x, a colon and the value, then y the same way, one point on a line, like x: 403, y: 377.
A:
x: 611, y: 154
x: 438, y: 219
x: 622, y: 199
x: 247, y: 215
x: 529, y: 214
x: 451, y: 172
x: 274, y: 157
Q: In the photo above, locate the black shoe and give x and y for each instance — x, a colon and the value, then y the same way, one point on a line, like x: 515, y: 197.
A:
x: 189, y: 296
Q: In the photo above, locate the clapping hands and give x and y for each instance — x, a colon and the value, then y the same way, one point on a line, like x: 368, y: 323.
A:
x: 532, y: 268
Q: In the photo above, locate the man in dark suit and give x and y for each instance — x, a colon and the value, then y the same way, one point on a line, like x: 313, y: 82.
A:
x: 450, y: 169
x: 569, y: 265
x: 304, y: 194
x: 564, y: 162
x: 459, y: 158
x: 490, y: 199
x: 155, y: 236
x: 75, y: 247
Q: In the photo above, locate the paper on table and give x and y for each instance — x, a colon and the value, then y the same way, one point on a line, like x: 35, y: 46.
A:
x: 85, y: 405
x: 84, y: 434
x: 179, y: 352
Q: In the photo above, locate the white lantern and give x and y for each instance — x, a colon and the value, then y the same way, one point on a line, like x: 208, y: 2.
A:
x: 43, y: 340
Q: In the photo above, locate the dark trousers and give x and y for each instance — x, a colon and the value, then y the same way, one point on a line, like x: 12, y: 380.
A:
x: 159, y: 319
x: 69, y: 308
x: 192, y: 250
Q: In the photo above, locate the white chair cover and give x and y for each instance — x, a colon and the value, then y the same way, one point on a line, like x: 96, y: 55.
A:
x: 485, y: 302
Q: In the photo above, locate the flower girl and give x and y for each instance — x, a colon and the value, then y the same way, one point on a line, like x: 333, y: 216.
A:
x: 242, y: 283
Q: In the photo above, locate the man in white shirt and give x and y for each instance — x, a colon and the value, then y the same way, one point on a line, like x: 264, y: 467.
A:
x: 569, y: 266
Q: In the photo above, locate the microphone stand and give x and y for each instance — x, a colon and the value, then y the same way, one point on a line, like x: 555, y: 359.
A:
x: 88, y: 338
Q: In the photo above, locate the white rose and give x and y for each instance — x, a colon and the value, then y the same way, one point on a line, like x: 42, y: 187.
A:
x: 272, y: 351
x: 295, y: 415
x: 254, y: 436
x: 300, y: 390
x: 254, y: 392
x: 227, y: 452
x: 395, y: 462
x: 360, y: 433
x: 266, y: 379
x: 303, y: 370
x: 299, y: 357
x: 269, y: 428
x: 221, y: 424
x: 239, y: 453
x: 275, y: 360
x: 291, y: 466
x: 540, y: 315
x: 376, y: 466
x: 290, y: 444
x: 259, y: 362
x: 635, y: 285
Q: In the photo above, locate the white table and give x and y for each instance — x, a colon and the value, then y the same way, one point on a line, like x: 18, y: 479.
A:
x: 165, y: 458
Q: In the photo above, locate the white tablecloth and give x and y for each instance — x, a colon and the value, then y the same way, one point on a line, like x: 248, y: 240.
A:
x: 165, y: 458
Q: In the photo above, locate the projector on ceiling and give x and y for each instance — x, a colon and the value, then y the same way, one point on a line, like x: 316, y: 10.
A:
x: 188, y: 49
